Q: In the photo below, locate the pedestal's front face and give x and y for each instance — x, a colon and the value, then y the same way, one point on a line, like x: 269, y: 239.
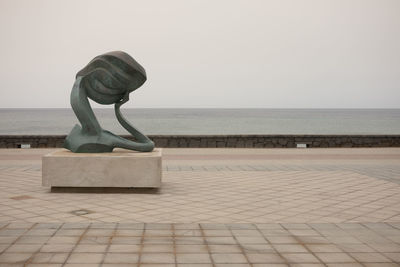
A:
x: 121, y: 168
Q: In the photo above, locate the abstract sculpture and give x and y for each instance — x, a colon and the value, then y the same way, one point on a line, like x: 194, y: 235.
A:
x: 107, y: 79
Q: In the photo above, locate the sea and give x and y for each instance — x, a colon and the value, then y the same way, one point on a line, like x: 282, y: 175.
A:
x: 209, y: 121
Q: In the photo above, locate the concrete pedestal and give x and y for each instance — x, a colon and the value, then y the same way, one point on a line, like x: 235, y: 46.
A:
x: 121, y: 168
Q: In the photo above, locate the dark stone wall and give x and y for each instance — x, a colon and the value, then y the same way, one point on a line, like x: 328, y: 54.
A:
x: 257, y: 141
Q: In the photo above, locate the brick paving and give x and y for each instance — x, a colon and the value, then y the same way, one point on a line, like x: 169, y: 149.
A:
x: 162, y: 244
x: 217, y: 207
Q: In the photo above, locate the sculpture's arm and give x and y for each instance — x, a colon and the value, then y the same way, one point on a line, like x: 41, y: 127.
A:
x: 81, y: 106
x: 144, y: 144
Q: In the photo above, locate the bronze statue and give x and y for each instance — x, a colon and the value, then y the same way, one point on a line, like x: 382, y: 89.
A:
x: 107, y: 79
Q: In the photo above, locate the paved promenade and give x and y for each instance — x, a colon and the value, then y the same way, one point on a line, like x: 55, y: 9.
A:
x: 217, y: 207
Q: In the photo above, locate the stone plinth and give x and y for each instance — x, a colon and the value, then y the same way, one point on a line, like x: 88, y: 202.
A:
x: 121, y: 168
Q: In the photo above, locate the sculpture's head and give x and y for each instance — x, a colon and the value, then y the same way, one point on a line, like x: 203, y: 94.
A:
x: 110, y: 77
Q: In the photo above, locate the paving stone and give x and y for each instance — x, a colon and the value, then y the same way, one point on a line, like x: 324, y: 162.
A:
x: 187, y: 232
x: 229, y: 258
x: 194, y: 258
x: 335, y: 257
x: 266, y: 258
x: 124, y: 240
x: 24, y: 248
x: 63, y: 240
x: 300, y: 258
x: 190, y: 248
x: 282, y: 239
x: 32, y: 239
x: 251, y: 240
x: 70, y: 232
x: 49, y: 258
x: 217, y: 240
x: 369, y: 257
x: 393, y: 256
x: 324, y: 248
x: 121, y: 258
x: 104, y: 240
x: 158, y: 240
x: 189, y: 240
x: 18, y: 225
x: 12, y: 232
x: 14, y: 257
x: 157, y: 258
x: 258, y: 248
x: 295, y: 248
x: 81, y: 248
x: 57, y: 247
x: 41, y: 232
x: 83, y: 258
x: 129, y: 232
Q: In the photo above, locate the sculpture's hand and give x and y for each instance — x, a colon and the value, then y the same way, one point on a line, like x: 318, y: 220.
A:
x: 144, y: 143
x: 123, y: 100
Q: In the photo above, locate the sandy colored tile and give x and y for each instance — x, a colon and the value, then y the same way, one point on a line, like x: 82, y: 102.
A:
x: 24, y: 248
x: 370, y: 257
x: 157, y: 258
x: 335, y: 257
x: 49, y: 258
x: 323, y: 248
x: 124, y: 248
x: 14, y: 257
x: 300, y: 258
x: 158, y: 248
x: 192, y: 248
x: 290, y: 248
x: 82, y: 258
x: 194, y: 258
x: 57, y: 248
x: 229, y: 258
x: 121, y: 258
x: 265, y: 258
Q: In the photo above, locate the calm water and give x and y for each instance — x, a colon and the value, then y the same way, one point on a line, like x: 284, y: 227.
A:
x: 211, y: 121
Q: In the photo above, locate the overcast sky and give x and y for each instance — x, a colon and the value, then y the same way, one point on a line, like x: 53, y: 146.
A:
x: 208, y: 53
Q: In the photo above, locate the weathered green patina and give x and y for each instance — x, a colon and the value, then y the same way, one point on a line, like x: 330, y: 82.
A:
x: 107, y: 79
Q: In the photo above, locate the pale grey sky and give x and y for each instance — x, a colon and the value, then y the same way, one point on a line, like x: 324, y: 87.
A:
x: 208, y: 53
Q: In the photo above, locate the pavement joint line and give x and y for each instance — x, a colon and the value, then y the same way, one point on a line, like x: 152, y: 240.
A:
x: 174, y: 245
x: 4, y: 226
x: 299, y: 241
x: 206, y: 244
x: 37, y: 251
x: 76, y: 244
x: 240, y: 246
x: 141, y: 245
x: 396, y: 227
x: 368, y: 245
x: 109, y: 244
x: 374, y: 201
x: 274, y: 249
x: 12, y: 243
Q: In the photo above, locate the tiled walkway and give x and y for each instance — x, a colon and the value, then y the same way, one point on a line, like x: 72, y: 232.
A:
x: 369, y: 244
x: 217, y: 207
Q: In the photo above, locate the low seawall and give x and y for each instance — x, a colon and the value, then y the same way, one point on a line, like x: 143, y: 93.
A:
x: 238, y: 141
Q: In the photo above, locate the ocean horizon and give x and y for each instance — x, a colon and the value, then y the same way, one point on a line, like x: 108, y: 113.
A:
x: 208, y: 121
